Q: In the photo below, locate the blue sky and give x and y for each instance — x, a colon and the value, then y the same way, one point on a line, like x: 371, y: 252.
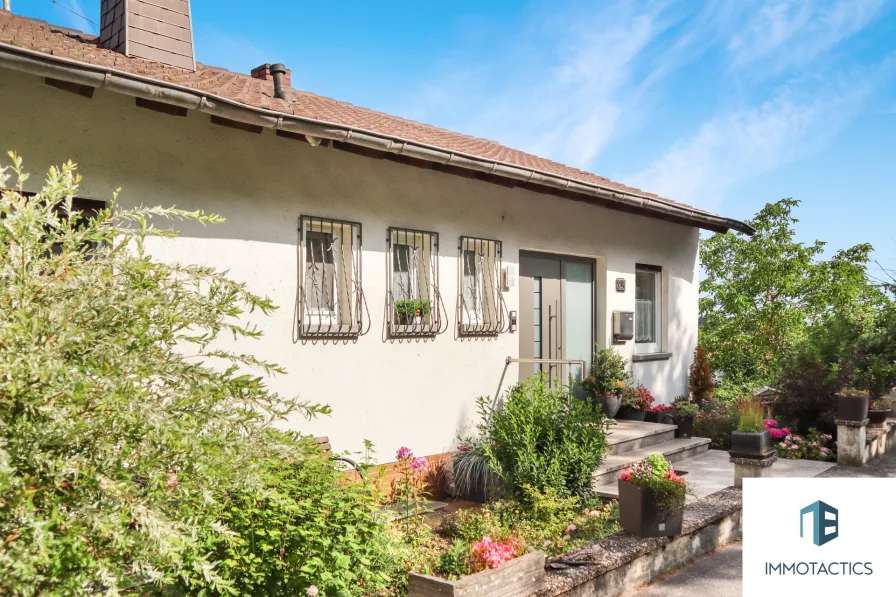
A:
x: 723, y: 105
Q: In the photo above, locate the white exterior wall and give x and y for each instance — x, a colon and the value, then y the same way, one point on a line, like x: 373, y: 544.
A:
x: 419, y: 393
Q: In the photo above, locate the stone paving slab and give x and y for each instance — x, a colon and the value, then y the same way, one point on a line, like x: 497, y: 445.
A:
x: 711, y: 472
x: 715, y: 575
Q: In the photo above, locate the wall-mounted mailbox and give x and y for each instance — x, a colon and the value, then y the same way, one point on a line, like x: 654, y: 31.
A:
x: 623, y: 325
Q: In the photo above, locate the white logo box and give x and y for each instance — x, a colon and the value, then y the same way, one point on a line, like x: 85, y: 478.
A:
x: 778, y: 561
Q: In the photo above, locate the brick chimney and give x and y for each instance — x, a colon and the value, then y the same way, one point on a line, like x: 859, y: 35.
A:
x: 160, y: 30
x: 263, y: 72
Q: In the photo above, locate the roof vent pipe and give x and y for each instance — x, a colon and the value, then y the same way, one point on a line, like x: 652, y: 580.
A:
x: 278, y: 72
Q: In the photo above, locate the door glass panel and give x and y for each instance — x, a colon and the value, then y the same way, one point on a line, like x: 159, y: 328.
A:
x: 578, y: 314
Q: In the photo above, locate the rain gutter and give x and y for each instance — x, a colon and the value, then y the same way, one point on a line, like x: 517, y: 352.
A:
x: 65, y: 69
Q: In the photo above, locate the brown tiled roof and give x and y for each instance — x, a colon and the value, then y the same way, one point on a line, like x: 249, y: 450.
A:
x: 39, y: 36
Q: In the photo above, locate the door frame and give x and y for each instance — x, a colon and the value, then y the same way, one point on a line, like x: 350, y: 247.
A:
x: 597, y: 277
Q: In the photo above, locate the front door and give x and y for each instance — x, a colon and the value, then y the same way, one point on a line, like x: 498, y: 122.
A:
x: 556, y: 319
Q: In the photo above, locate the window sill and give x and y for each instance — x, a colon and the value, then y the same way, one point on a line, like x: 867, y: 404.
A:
x: 651, y: 356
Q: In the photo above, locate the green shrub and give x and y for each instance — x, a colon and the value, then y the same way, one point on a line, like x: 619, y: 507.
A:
x: 608, y: 375
x: 126, y: 466
x: 750, y: 415
x: 543, y: 437
x: 474, y: 479
x: 716, y: 421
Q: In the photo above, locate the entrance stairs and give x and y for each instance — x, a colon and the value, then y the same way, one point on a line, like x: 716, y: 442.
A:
x: 633, y: 441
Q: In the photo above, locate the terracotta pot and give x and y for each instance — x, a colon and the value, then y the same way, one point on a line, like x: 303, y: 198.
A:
x: 609, y: 404
x: 878, y: 418
x: 751, y: 445
x: 639, y: 514
x: 852, y: 409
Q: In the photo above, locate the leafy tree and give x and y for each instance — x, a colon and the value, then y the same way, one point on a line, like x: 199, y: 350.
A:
x: 136, y: 454
x: 767, y: 294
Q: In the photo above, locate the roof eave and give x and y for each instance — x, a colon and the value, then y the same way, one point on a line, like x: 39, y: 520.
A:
x: 65, y: 69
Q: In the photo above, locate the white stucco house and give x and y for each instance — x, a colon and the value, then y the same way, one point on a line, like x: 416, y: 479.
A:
x: 409, y: 262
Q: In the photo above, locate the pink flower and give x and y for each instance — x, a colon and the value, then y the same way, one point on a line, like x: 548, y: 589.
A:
x: 312, y: 591
x: 770, y: 423
x: 404, y: 452
x: 594, y: 513
x: 626, y: 475
x: 172, y: 480
x: 785, y: 430
x: 492, y: 553
x: 420, y: 464
x: 570, y: 529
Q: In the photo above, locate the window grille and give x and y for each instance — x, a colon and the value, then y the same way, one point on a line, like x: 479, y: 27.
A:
x: 414, y: 305
x: 480, y: 303
x: 331, y: 299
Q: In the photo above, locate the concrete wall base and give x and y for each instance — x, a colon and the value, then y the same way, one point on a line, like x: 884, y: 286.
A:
x: 749, y: 471
x: 851, y: 444
x: 668, y: 557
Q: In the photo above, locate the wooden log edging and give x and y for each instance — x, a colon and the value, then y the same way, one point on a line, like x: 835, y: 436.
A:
x: 623, y: 562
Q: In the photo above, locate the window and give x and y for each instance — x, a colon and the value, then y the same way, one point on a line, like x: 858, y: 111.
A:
x: 331, y: 300
x: 414, y: 301
x: 648, y: 308
x: 481, y: 304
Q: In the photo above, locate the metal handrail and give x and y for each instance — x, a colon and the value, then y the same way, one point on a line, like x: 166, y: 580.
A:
x: 510, y: 360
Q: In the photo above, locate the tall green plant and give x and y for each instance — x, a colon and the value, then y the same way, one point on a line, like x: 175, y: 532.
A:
x: 136, y: 454
x: 765, y: 294
x: 542, y: 437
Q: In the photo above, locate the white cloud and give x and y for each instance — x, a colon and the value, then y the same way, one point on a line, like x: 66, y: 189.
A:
x: 787, y: 33
x: 731, y: 149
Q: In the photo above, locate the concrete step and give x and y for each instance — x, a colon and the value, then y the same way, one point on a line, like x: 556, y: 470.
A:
x: 626, y: 436
x: 674, y: 450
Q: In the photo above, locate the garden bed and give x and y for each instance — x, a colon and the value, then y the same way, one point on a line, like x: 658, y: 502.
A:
x: 616, y: 563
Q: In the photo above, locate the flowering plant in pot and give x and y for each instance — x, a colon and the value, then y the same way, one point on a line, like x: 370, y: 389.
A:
x: 659, y: 412
x: 852, y: 404
x: 606, y: 380
x: 878, y: 412
x: 685, y: 411
x: 651, y: 498
x: 636, y: 401
x: 411, y: 311
x: 751, y: 439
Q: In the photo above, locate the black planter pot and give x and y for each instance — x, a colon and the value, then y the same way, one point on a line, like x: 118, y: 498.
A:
x: 685, y: 427
x: 852, y: 409
x: 639, y: 514
x: 878, y: 418
x: 652, y: 417
x: 751, y: 445
x: 609, y: 404
x: 630, y: 414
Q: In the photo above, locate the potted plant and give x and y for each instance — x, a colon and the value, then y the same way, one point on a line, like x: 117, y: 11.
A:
x: 878, y: 412
x: 685, y: 412
x: 751, y: 439
x: 651, y: 498
x: 659, y: 413
x: 606, y: 380
x: 852, y: 404
x: 636, y: 401
x: 411, y: 311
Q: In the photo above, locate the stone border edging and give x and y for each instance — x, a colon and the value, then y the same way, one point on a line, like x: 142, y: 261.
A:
x: 615, y: 561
